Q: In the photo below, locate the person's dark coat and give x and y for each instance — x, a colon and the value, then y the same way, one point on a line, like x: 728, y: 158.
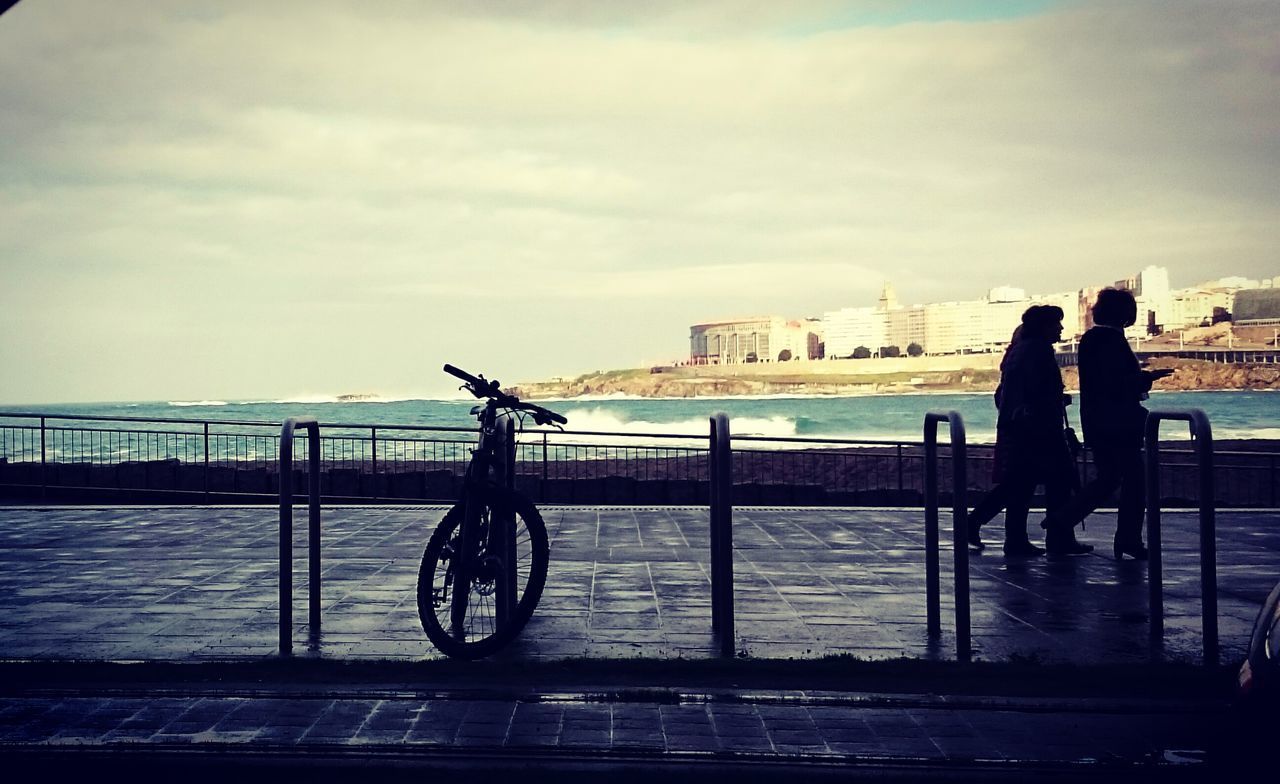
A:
x: 1031, y: 390
x: 1112, y: 387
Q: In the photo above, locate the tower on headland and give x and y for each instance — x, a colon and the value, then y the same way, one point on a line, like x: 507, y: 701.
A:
x: 888, y: 298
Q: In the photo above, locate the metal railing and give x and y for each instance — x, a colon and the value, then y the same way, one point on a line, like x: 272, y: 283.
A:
x: 959, y: 518
x: 286, y: 532
x: 84, y: 458
x: 1202, y: 433
x: 722, y: 471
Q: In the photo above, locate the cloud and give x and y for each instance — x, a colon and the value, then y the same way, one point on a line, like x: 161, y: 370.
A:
x: 722, y: 159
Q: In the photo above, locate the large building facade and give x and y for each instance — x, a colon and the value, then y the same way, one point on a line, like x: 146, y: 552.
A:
x: 938, y: 328
x: 1257, y: 307
x: 761, y: 339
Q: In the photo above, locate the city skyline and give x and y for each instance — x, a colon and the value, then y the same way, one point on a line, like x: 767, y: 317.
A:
x: 1223, y: 282
x: 964, y: 326
x: 268, y: 201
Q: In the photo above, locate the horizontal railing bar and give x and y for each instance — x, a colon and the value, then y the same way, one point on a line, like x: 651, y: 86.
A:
x: 803, y: 440
x: 140, y: 431
x: 91, y: 418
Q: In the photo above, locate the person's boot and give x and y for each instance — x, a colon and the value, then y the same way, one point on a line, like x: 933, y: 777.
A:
x: 1021, y: 548
x: 1129, y: 544
x: 1016, y: 543
x: 1060, y: 540
x: 975, y: 536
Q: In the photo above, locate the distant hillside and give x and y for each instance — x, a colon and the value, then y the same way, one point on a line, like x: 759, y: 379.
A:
x: 826, y: 378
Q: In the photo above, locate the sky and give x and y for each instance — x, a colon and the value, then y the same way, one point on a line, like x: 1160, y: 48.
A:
x: 249, y: 200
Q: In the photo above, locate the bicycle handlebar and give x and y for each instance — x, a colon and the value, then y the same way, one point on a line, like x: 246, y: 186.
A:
x: 465, y: 376
x: 480, y: 387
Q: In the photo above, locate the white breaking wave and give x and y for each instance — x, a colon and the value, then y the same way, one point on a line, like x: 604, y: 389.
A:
x: 325, y: 399
x: 310, y: 399
x: 599, y: 419
x: 187, y: 403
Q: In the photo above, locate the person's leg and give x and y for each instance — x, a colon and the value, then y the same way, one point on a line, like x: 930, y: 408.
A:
x: 1133, y: 501
x: 1094, y: 494
x: 1015, y: 517
x: 1060, y: 479
x: 988, y: 507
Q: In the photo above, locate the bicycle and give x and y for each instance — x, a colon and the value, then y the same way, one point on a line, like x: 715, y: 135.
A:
x: 492, y: 544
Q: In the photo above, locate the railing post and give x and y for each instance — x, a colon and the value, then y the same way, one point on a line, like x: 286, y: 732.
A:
x: 901, y: 483
x: 722, y: 620
x: 959, y: 533
x: 374, y: 478
x: 713, y: 496
x: 1271, y: 476
x: 206, y: 462
x: 286, y: 531
x: 313, y: 532
x: 1202, y: 433
x: 44, y: 469
x: 286, y: 539
x: 1208, y: 537
x: 932, y: 593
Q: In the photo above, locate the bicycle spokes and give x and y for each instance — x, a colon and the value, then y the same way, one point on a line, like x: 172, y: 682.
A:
x: 476, y: 592
x: 475, y: 597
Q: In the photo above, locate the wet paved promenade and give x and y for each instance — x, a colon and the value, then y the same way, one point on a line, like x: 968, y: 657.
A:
x: 196, y: 583
x: 802, y: 729
x: 190, y: 585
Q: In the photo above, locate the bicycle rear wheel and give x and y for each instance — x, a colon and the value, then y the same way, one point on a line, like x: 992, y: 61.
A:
x: 480, y: 631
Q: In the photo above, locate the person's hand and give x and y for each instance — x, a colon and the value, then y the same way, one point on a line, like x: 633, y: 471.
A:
x: 1159, y: 374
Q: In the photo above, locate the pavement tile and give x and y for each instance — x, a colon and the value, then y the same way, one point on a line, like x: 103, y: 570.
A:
x: 584, y: 738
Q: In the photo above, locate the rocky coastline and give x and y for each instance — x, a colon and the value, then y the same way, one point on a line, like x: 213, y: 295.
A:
x: 800, y: 379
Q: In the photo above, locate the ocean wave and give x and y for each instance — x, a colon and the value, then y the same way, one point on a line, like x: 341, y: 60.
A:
x: 594, y: 398
x: 343, y: 399
x: 602, y: 420
x: 307, y: 399
x: 771, y: 396
x: 201, y: 403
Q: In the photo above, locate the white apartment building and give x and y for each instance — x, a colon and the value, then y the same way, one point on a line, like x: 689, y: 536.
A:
x: 848, y: 328
x: 1192, y: 307
x: 941, y: 327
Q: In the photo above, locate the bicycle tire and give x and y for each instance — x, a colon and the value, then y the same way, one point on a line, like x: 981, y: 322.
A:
x: 483, y: 635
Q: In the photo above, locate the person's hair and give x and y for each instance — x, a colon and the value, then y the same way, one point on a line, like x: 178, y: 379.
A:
x: 1115, y: 308
x: 1038, y: 321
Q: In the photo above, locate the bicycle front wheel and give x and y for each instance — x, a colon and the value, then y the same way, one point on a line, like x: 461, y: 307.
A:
x: 476, y: 627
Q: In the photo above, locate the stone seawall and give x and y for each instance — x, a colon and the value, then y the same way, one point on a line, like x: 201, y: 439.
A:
x: 850, y: 478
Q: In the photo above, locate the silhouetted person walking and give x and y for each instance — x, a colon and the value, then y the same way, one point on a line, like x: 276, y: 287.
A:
x: 1032, y: 448
x: 1015, y: 519
x: 1112, y: 387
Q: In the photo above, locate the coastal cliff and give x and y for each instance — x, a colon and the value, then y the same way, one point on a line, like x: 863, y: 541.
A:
x: 802, y: 379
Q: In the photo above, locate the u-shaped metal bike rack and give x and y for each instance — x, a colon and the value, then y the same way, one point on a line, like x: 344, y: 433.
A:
x: 721, y: 498
x: 1202, y: 434
x: 286, y: 530
x: 959, y: 521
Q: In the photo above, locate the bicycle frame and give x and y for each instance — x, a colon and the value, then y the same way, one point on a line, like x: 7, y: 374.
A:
x: 491, y: 472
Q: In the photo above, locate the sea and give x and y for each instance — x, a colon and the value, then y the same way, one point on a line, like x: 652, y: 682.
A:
x: 1234, y: 415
